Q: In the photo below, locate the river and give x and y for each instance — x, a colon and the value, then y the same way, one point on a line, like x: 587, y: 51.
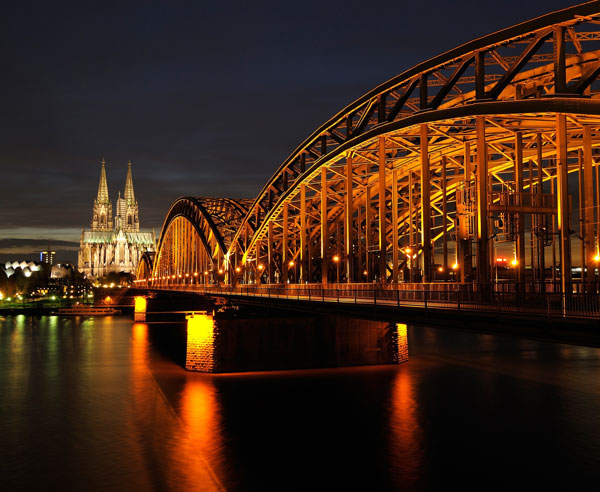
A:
x: 96, y: 404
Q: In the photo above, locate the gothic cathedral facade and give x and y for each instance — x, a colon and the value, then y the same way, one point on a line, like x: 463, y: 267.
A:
x: 113, y: 245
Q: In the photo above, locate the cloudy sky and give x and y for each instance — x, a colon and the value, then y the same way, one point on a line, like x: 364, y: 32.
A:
x: 205, y: 98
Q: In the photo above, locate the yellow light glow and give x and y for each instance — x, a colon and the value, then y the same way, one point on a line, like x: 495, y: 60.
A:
x: 261, y: 267
x: 455, y: 266
x: 408, y: 250
x: 187, y: 274
x: 195, y: 274
x: 597, y: 258
x: 140, y: 304
x: 238, y: 269
x: 336, y: 258
x: 107, y: 300
x: 205, y: 273
x: 291, y: 263
x: 440, y: 269
x: 220, y: 270
x: 514, y: 262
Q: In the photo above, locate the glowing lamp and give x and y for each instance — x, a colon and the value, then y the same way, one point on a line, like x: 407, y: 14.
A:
x: 514, y: 262
x: 291, y: 263
x: 238, y: 269
x: 455, y: 266
x: 205, y: 273
x: 195, y: 274
x: 336, y: 258
x: 440, y: 269
x: 261, y: 267
x: 187, y: 274
x: 220, y: 270
x: 597, y: 258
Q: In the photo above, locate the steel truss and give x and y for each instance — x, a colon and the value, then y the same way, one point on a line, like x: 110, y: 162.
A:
x: 419, y: 179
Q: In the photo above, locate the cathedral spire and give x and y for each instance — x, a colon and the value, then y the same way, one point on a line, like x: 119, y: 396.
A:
x: 103, y: 187
x: 129, y: 195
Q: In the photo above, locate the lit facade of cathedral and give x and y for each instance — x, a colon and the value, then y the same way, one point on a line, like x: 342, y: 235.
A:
x: 114, y: 245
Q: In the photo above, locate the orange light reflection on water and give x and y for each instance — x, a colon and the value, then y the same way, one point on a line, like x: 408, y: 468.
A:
x: 406, y: 452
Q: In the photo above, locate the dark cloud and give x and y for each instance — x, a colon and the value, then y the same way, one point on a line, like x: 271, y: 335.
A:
x: 205, y: 98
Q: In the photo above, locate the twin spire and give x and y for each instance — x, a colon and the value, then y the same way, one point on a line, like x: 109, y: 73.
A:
x: 103, y: 186
x: 126, y: 218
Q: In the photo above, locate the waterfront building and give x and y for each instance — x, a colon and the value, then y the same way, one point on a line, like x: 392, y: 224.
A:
x: 113, y: 245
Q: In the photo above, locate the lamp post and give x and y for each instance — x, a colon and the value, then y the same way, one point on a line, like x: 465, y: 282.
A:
x: 336, y: 260
x: 291, y: 264
x: 260, y: 271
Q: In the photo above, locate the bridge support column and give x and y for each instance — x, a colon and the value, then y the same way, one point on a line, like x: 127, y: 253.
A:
x: 518, y: 170
x: 284, y: 246
x: 271, y: 264
x: 324, y: 229
x: 368, y: 234
x: 563, y: 202
x: 588, y: 189
x: 482, y: 207
x: 425, y: 205
x: 303, y: 258
x: 464, y: 259
x: 382, y: 213
x: 395, y: 250
x: 540, y: 217
x: 348, y: 225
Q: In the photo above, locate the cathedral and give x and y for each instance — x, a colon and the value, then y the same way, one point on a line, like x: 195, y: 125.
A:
x: 113, y: 245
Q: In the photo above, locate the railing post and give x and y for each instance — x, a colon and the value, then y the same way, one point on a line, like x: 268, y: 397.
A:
x: 398, y: 298
x: 374, y: 296
x: 338, y: 294
x: 425, y: 297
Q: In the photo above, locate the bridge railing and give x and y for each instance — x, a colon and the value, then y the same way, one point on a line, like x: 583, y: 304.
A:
x: 530, y: 303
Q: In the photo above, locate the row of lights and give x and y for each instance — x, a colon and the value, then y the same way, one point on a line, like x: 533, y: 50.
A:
x: 335, y: 258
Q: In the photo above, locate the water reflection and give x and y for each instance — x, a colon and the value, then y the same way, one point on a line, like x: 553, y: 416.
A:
x: 406, y: 451
x: 97, y: 404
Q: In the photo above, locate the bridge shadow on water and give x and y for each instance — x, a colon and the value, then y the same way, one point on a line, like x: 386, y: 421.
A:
x: 223, y: 339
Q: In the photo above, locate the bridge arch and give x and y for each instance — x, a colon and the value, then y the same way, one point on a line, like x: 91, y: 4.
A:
x: 483, y: 135
x: 490, y: 147
x: 195, y: 237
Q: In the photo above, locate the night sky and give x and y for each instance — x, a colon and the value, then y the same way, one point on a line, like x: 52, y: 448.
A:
x: 205, y: 98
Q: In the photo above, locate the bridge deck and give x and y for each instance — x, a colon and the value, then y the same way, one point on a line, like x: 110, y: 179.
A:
x: 584, y: 306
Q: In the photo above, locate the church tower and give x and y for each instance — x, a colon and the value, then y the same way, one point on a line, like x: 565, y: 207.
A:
x: 127, y: 207
x: 102, y: 213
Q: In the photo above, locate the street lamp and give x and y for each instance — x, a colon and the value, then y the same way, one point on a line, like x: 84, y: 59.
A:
x: 336, y: 260
x: 291, y: 264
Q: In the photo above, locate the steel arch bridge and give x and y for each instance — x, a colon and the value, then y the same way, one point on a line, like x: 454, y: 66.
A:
x: 494, y: 144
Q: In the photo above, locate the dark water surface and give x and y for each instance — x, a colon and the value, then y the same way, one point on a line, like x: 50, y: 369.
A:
x: 92, y: 404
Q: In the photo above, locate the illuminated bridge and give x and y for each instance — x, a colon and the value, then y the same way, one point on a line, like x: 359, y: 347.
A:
x: 472, y: 177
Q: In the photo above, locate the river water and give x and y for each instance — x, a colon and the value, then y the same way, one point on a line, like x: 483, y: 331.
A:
x: 96, y: 404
